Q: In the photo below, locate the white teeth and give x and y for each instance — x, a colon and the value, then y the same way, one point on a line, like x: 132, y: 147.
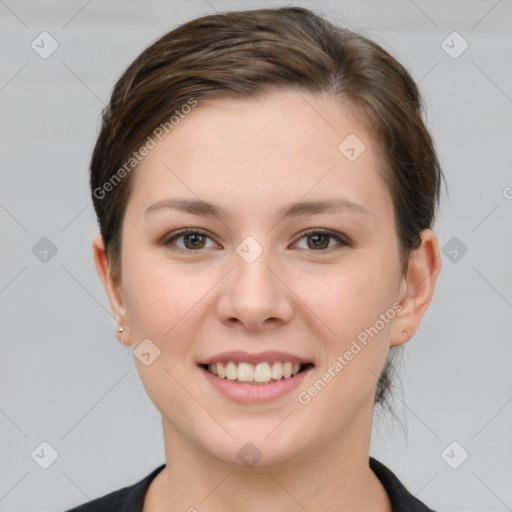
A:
x: 261, y: 373
x: 245, y: 372
x: 231, y: 371
x: 277, y: 370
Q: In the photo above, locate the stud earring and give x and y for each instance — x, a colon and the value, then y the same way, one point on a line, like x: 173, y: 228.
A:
x: 120, y: 329
x: 404, y: 333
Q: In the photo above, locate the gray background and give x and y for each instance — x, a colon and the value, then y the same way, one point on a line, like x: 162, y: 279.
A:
x: 67, y: 381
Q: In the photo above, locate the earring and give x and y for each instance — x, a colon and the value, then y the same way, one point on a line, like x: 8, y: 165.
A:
x: 120, y: 329
x: 404, y: 333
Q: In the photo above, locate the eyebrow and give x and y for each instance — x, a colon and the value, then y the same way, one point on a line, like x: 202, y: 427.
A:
x: 204, y: 208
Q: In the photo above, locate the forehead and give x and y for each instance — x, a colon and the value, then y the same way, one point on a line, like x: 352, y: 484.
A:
x: 279, y: 147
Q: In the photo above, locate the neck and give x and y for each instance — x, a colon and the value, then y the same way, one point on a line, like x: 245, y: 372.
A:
x: 332, y: 476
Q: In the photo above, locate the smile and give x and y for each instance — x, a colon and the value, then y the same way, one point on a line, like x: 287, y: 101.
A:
x: 255, y: 378
x: 260, y: 373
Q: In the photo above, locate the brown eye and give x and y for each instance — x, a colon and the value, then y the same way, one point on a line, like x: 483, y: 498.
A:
x: 194, y: 241
x: 189, y: 240
x: 320, y: 240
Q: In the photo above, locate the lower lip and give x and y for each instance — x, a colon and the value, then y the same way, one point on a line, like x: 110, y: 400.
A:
x: 255, y: 393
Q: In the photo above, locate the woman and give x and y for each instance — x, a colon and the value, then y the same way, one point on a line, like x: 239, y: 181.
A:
x: 265, y: 189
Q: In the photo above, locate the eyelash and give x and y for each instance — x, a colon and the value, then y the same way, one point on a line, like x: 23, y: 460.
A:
x: 342, y: 240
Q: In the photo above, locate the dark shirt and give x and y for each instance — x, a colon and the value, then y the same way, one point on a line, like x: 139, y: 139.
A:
x: 131, y: 498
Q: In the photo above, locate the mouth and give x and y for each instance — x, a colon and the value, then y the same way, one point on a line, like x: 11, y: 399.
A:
x: 255, y: 378
x: 262, y: 373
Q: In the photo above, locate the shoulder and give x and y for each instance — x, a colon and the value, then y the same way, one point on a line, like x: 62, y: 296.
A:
x: 127, y: 499
x: 401, y: 499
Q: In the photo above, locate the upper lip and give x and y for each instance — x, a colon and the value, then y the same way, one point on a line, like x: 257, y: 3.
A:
x: 239, y: 356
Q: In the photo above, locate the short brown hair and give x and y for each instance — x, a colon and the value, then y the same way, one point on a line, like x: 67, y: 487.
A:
x: 245, y: 54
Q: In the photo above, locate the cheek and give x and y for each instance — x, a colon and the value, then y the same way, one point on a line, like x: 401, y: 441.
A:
x: 353, y: 296
x: 356, y: 303
x: 158, y: 304
x: 156, y: 295
x: 160, y: 307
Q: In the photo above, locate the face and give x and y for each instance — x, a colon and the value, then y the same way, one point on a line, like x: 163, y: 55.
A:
x: 250, y: 237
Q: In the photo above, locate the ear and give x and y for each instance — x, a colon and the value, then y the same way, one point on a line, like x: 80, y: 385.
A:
x: 417, y: 287
x: 112, y: 288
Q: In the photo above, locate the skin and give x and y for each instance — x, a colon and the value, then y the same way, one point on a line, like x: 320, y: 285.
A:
x: 253, y: 158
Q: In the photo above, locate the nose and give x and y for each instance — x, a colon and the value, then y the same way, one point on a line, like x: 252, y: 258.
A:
x: 255, y: 294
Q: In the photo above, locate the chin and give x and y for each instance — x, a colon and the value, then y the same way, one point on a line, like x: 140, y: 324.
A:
x: 253, y: 447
